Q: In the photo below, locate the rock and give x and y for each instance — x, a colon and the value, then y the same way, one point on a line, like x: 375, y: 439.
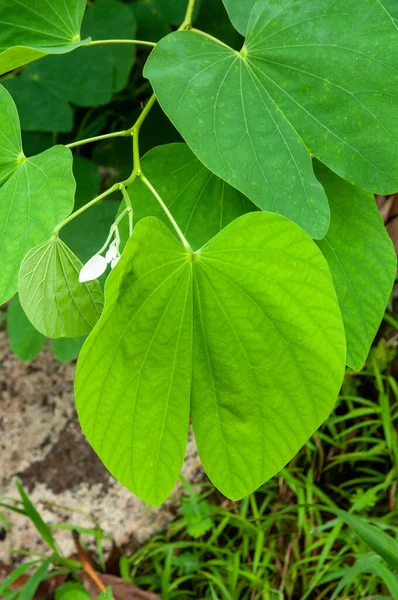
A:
x: 41, y: 442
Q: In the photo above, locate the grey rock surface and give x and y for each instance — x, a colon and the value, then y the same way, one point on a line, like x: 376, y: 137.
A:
x: 41, y: 442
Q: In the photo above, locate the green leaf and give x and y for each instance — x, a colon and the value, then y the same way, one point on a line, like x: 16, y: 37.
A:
x: 39, y: 107
x: 213, y: 19
x: 29, y: 32
x: 88, y: 76
x: 37, y: 193
x: 66, y: 349
x: 35, y: 517
x: 30, y: 587
x: 201, y: 203
x: 87, y: 180
x: 54, y: 300
x: 24, y: 340
x: 361, y: 258
x: 299, y: 86
x: 392, y: 7
x: 71, y: 591
x: 247, y: 329
x: 383, y: 544
x: 229, y: 121
x: 239, y: 13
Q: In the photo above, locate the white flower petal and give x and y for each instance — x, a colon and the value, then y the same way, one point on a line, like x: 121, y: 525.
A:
x: 115, y: 261
x: 93, y: 268
x: 112, y: 252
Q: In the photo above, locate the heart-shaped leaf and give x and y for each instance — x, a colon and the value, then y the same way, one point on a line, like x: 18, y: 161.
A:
x: 299, y: 86
x: 247, y: 329
x: 36, y: 194
x: 362, y: 261
x: 30, y: 30
x: 201, y: 203
x: 56, y: 303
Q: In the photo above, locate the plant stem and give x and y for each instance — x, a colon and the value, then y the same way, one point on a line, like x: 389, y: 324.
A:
x: 81, y: 210
x: 166, y: 210
x: 121, y: 41
x: 97, y: 138
x: 135, y: 131
x: 187, y: 22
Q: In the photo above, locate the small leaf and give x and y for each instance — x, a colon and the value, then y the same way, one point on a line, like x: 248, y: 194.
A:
x: 71, y: 591
x: 30, y: 32
x: 66, y: 349
x: 51, y: 295
x: 247, y: 330
x: 201, y: 203
x: 381, y: 543
x: 362, y: 261
x: 94, y: 268
x: 24, y: 340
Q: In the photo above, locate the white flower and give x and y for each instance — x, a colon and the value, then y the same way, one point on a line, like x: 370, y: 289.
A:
x: 114, y: 261
x: 113, y: 251
x: 93, y: 268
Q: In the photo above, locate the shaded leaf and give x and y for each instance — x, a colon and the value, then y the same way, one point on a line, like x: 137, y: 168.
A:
x: 87, y: 180
x: 239, y: 13
x: 247, y: 330
x: 39, y: 107
x: 361, y: 257
x: 71, y: 591
x: 57, y: 304
x: 31, y: 31
x: 66, y: 349
x: 88, y: 76
x: 201, y: 203
x: 24, y: 340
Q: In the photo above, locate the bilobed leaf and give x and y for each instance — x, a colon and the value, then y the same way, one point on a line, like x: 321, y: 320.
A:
x: 57, y: 304
x: 66, y: 349
x: 24, y: 340
x: 247, y: 329
x: 233, y: 126
x: 239, y: 13
x: 201, y: 203
x: 36, y: 194
x: 362, y: 261
x: 299, y: 86
x: 134, y: 371
x: 30, y: 30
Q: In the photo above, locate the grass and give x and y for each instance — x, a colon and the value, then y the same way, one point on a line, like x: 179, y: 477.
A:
x: 288, y: 541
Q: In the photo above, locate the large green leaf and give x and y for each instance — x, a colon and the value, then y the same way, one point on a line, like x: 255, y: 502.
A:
x: 134, y: 371
x: 239, y: 13
x: 248, y: 328
x: 89, y: 76
x: 201, y: 203
x: 362, y: 261
x: 54, y: 300
x: 300, y: 86
x: 24, y: 340
x: 30, y: 30
x: 36, y: 194
x: 39, y: 107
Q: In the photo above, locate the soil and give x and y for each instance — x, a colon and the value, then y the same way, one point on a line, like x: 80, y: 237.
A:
x: 41, y: 442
